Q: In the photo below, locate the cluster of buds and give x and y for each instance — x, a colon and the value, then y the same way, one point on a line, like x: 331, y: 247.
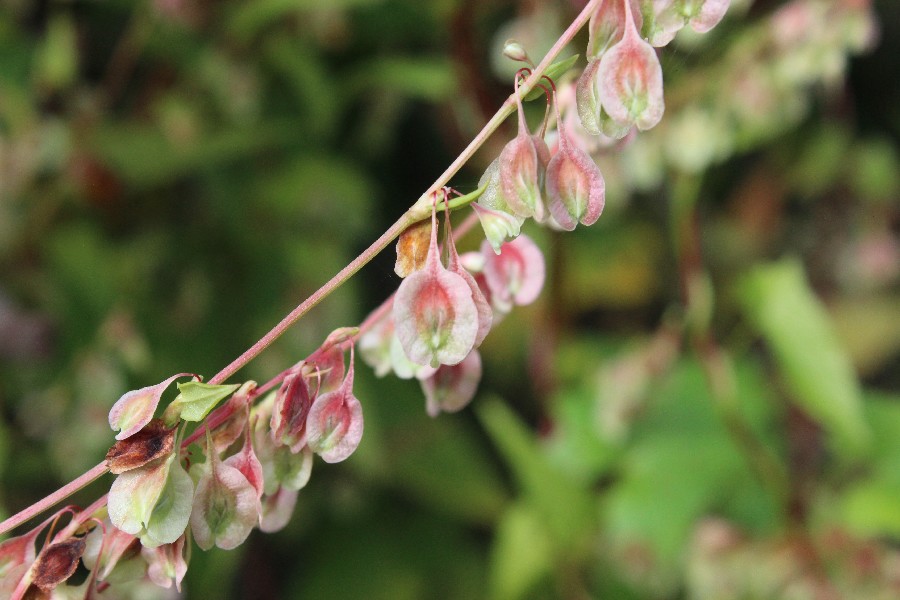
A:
x: 259, y: 454
x: 441, y: 314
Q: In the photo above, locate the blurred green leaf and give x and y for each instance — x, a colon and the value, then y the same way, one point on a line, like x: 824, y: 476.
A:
x: 250, y: 18
x: 566, y: 508
x: 871, y: 506
x: 144, y: 157
x: 450, y: 472
x: 875, y: 174
x: 56, y: 59
x: 778, y: 301
x: 426, y: 78
x: 522, y: 553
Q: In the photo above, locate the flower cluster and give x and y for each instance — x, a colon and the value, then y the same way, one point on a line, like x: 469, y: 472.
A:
x: 258, y: 447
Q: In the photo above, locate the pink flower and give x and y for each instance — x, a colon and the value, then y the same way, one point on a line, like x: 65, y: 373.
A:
x: 516, y: 274
x: 499, y: 221
x: 574, y: 184
x: 135, y: 409
x: 629, y: 80
x: 452, y: 387
x: 435, y: 317
x: 520, y: 165
x: 292, y: 404
x: 226, y: 505
x: 334, y: 426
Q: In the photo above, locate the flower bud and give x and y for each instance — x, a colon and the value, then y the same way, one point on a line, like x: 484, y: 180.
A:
x: 135, y: 409
x: 520, y: 171
x: 280, y: 466
x: 629, y: 80
x: 452, y: 387
x: 334, y: 426
x: 661, y: 20
x: 517, y: 273
x: 277, y: 509
x: 513, y: 50
x: 247, y: 463
x: 226, y: 506
x: 706, y: 14
x: 166, y: 563
x: 498, y: 220
x: 17, y: 554
x: 606, y: 27
x: 482, y: 307
x: 292, y: 404
x: 574, y: 184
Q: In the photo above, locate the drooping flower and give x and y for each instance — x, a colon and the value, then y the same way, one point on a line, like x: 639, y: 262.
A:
x: 594, y: 118
x: 482, y: 307
x: 110, y: 550
x: 170, y: 516
x: 246, y: 461
x: 629, y: 80
x: 706, y: 14
x: 334, y: 426
x: 17, y: 554
x: 280, y: 466
x: 292, y: 403
x: 134, y: 494
x: 135, y: 409
x: 606, y: 27
x: 226, y: 505
x: 452, y: 387
x: 166, y: 564
x: 277, y: 509
x: 574, y: 184
x: 435, y: 317
x: 516, y: 275
x: 326, y: 364
x: 662, y: 19
x: 375, y: 345
x: 499, y: 221
x: 520, y: 169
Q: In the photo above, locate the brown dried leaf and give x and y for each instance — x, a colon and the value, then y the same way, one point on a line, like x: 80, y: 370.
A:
x: 412, y: 248
x: 56, y: 563
x: 148, y: 444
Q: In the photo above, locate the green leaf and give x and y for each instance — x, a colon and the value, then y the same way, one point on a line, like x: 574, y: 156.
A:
x: 779, y: 303
x: 554, y: 72
x: 544, y: 485
x: 195, y: 400
x: 522, y: 553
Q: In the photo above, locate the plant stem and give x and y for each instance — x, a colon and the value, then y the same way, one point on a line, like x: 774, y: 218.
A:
x: 304, y: 307
x: 420, y: 210
x: 57, y: 496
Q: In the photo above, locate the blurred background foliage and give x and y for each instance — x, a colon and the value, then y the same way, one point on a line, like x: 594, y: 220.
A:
x: 703, y: 404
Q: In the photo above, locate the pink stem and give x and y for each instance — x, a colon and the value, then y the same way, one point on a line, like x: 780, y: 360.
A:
x: 396, y: 229
x: 57, y: 496
x: 343, y: 275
